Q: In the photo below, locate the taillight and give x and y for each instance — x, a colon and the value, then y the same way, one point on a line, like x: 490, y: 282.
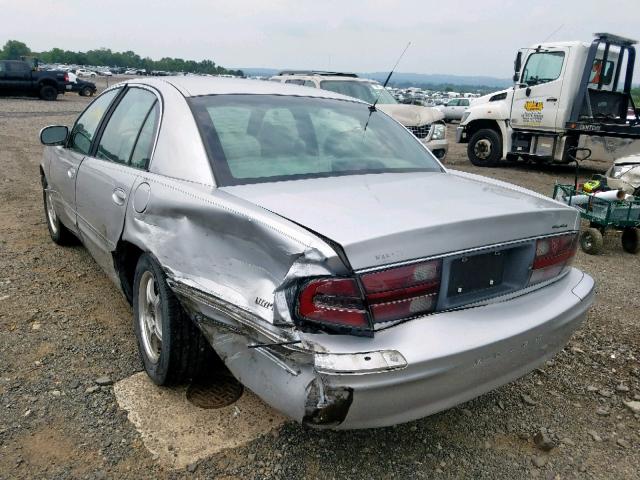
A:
x: 66, y: 77
x: 333, y: 301
x: 403, y: 292
x: 389, y: 295
x: 553, y: 255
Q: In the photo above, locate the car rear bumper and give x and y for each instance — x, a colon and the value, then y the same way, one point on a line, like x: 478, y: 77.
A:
x: 450, y: 358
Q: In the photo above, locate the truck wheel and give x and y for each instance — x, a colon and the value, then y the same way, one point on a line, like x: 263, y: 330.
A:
x: 631, y: 240
x: 48, y: 92
x: 591, y: 241
x: 172, y: 348
x: 85, y: 92
x: 485, y: 148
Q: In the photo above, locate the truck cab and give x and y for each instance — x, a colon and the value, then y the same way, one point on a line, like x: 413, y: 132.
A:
x: 562, y: 93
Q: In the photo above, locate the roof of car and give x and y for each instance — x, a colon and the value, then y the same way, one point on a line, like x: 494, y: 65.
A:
x: 193, y: 86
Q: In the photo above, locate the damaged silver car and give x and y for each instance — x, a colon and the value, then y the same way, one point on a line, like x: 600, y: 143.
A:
x: 334, y: 265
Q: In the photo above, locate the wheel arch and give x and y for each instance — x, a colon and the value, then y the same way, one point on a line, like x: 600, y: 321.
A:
x: 125, y: 259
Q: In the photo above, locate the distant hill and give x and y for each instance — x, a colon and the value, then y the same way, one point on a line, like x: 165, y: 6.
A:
x: 409, y: 79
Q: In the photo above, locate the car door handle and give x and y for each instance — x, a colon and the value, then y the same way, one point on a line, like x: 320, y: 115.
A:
x: 119, y: 196
x: 552, y: 99
x: 71, y: 172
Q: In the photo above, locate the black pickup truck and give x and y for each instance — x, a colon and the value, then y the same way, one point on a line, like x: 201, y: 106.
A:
x: 18, y: 78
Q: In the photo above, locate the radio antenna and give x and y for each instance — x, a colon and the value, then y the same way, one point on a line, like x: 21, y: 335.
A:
x: 372, y: 108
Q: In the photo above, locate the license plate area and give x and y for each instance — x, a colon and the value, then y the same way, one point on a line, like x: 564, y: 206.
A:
x: 478, y: 272
x: 481, y: 275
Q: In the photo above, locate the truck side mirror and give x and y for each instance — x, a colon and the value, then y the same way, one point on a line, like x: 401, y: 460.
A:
x: 516, y: 66
x: 54, y: 135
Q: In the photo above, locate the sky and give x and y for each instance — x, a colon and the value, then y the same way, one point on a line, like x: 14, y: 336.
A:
x: 447, y: 36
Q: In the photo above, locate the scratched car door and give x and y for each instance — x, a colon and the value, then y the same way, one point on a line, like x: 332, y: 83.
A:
x: 106, y: 175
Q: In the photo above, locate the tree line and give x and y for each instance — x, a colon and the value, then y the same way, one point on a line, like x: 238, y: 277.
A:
x: 14, y: 50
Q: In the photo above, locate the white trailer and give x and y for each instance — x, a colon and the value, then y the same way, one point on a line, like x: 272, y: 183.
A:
x: 567, y: 92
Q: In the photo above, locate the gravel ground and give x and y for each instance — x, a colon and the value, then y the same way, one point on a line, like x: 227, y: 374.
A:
x: 64, y: 325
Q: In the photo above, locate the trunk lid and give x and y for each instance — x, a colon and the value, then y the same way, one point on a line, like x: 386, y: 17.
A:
x: 380, y: 219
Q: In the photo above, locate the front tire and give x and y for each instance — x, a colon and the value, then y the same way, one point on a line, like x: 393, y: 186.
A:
x: 485, y: 148
x: 172, y: 348
x: 60, y: 234
x: 48, y: 92
x: 591, y: 241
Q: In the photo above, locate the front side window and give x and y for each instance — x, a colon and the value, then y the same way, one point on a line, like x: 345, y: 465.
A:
x: 263, y: 138
x: 542, y: 67
x: 123, y: 127
x: 85, y: 128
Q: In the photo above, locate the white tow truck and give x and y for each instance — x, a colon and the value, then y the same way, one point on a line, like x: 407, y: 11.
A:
x: 566, y: 94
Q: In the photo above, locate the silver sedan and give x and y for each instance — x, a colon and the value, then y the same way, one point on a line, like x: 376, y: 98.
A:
x: 314, y: 245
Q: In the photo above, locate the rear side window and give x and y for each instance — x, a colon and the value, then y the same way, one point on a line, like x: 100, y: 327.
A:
x: 542, y: 67
x: 85, y: 128
x: 121, y: 133
x: 452, y: 103
x: 144, y: 146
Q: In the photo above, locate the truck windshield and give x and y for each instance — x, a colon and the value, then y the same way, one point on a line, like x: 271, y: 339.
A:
x: 265, y: 138
x: 365, y: 91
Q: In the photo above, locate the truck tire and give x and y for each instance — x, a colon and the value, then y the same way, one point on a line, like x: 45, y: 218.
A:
x: 48, y: 92
x: 631, y: 240
x: 485, y: 148
x: 86, y: 92
x: 171, y: 346
x: 591, y: 241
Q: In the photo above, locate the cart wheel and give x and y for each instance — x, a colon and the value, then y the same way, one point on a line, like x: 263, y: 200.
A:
x: 631, y: 240
x: 591, y: 241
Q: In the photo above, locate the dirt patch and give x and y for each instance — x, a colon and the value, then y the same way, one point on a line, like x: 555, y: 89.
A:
x: 180, y: 433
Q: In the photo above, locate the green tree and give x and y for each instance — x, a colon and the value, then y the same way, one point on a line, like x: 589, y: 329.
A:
x: 14, y: 49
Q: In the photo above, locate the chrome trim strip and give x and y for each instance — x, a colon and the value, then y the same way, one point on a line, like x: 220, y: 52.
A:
x: 460, y: 252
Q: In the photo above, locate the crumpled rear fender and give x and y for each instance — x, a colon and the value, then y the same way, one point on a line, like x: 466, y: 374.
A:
x: 224, y: 247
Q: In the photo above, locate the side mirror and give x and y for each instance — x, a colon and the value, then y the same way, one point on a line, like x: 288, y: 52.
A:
x: 517, y: 65
x: 54, y: 135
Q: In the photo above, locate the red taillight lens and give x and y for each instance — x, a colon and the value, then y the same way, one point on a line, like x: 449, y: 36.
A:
x: 553, y: 255
x: 66, y: 77
x: 393, y: 294
x: 334, y: 301
x: 403, y: 292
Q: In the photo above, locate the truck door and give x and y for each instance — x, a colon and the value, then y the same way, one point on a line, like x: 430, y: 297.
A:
x: 537, y: 96
x: 18, y: 75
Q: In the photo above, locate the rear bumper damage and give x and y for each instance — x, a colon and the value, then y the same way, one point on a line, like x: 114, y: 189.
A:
x: 403, y: 373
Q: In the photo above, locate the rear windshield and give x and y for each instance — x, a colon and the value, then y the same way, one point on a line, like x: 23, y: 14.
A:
x: 263, y: 138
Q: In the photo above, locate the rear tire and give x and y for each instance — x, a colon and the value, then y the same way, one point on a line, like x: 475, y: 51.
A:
x: 591, y: 241
x: 485, y: 148
x: 48, y: 92
x: 631, y: 240
x: 172, y: 348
